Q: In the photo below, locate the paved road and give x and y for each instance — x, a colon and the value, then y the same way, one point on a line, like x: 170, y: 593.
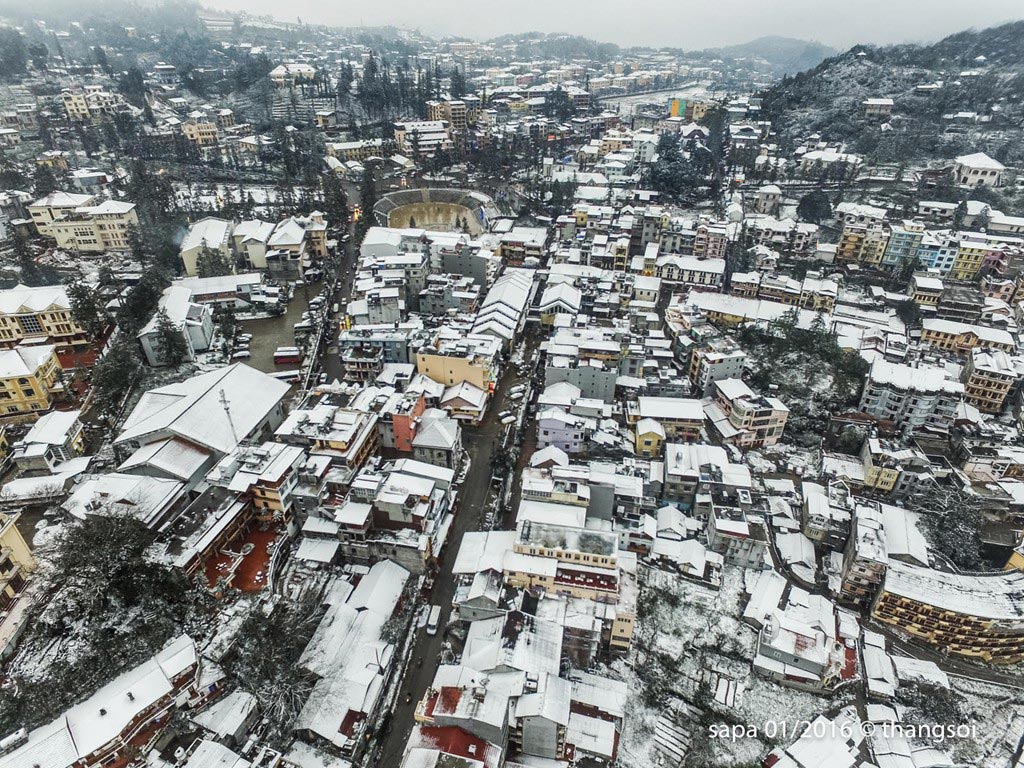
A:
x: 479, y: 443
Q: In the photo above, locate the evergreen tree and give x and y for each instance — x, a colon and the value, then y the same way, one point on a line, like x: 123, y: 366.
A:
x: 959, y: 215
x: 212, y: 262
x: 335, y: 202
x: 13, y: 53
x: 170, y: 343
x: 32, y: 273
x: 115, y: 374
x: 39, y: 54
x: 457, y: 83
x: 133, y: 86
x: 86, y: 308
x: 45, y: 180
x: 100, y: 56
x: 368, y: 199
x: 814, y: 207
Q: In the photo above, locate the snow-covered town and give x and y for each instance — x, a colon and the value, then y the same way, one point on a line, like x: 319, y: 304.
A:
x: 379, y: 399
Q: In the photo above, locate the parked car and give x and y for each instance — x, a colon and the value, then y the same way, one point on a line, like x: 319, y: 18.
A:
x: 242, y: 354
x: 433, y: 619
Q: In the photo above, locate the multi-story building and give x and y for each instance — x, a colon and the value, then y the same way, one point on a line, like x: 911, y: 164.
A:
x: 682, y: 418
x: 57, y: 437
x: 827, y: 513
x: 84, y: 223
x: 201, y: 132
x: 904, y: 240
x: 54, y: 207
x: 693, y: 467
x: 192, y: 321
x: 862, y: 245
x: 472, y: 358
x: 891, y: 469
x: 975, y: 615
x: 16, y: 565
x: 961, y: 338
x: 978, y: 170
x: 30, y: 379
x: 781, y: 235
x: 350, y: 151
x: 423, y: 137
x: 269, y: 473
x: 972, y: 250
x: 40, y: 314
x: 988, y: 378
x: 283, y: 249
x: 926, y: 290
x: 744, y: 418
x: 349, y: 437
x: 922, y: 398
x: 722, y: 358
x: 689, y: 271
x: 90, y: 103
x: 865, y: 559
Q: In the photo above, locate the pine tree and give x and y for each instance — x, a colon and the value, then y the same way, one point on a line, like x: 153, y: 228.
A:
x: 170, y: 343
x: 86, y: 309
x: 45, y: 180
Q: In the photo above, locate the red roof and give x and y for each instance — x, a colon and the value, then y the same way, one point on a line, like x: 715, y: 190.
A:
x: 456, y: 741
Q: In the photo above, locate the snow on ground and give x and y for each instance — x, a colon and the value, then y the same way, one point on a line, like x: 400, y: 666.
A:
x: 997, y: 716
x: 758, y: 463
x: 692, y: 637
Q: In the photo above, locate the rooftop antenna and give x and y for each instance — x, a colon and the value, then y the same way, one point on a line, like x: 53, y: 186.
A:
x: 227, y: 412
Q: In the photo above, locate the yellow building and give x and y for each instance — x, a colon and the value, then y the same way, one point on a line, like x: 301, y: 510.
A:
x: 988, y: 378
x: 974, y: 615
x: 969, y: 258
x: 681, y: 418
x: 29, y: 379
x: 83, y: 223
x: 90, y: 103
x: 55, y: 207
x: 38, y: 315
x: 75, y: 105
x: 202, y: 133
x: 862, y: 245
x: 650, y: 436
x: 452, y: 361
x: 880, y: 472
x: 355, y: 150
x: 55, y: 159
x: 16, y: 563
x: 961, y: 338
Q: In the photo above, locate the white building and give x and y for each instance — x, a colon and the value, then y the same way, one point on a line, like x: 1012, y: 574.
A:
x: 977, y: 170
x: 913, y: 398
x: 192, y: 320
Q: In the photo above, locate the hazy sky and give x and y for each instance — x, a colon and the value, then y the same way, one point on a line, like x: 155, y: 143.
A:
x: 682, y: 23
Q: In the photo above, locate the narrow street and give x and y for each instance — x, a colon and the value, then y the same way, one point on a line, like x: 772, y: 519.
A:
x: 479, y: 443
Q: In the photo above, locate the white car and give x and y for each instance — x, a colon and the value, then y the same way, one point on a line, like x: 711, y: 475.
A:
x: 242, y: 354
x: 515, y: 396
x: 509, y: 420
